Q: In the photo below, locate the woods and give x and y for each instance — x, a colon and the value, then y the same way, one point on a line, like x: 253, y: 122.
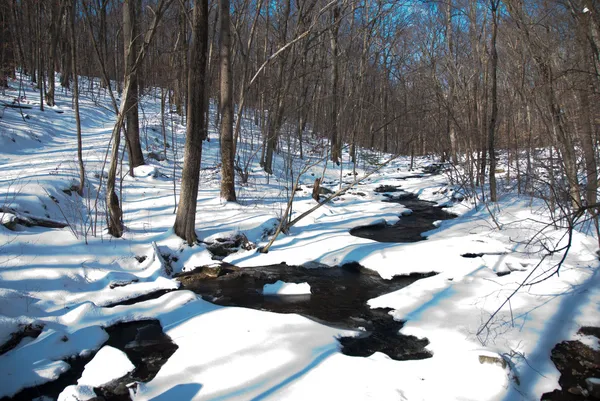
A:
x: 461, y: 79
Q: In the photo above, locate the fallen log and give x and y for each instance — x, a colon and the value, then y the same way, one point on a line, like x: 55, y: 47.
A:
x: 31, y: 221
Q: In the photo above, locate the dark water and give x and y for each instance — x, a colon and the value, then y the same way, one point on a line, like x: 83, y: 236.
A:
x: 339, y: 294
x: 409, y: 227
x: 144, y: 343
x: 338, y: 298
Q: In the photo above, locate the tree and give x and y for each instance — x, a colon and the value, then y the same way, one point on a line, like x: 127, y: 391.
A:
x: 185, y: 220
x: 115, y: 213
x: 7, y: 64
x: 56, y: 11
x: 227, y: 146
x: 131, y: 42
x: 492, y: 127
x: 72, y: 11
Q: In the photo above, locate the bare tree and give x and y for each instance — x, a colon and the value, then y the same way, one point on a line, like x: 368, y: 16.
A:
x: 72, y: 11
x: 131, y: 40
x: 115, y: 213
x: 492, y: 126
x: 227, y: 145
x: 185, y: 221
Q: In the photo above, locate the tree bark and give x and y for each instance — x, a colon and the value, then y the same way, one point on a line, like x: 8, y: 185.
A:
x: 131, y: 46
x: 227, y: 171
x: 71, y: 15
x: 55, y: 18
x: 492, y: 127
x: 185, y: 220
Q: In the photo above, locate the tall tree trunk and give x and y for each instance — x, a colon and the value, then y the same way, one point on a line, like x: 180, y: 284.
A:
x: 185, y: 220
x: 227, y: 172
x: 7, y: 61
x: 131, y: 43
x: 334, y: 30
x: 55, y: 18
x: 40, y: 52
x: 115, y: 214
x: 494, y: 94
x: 450, y: 125
x: 71, y: 16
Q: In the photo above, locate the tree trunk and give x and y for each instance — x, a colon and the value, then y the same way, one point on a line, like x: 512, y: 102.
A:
x: 55, y: 18
x: 334, y: 30
x: 7, y: 65
x: 227, y: 172
x: 494, y: 116
x: 71, y: 15
x: 131, y: 46
x: 185, y: 220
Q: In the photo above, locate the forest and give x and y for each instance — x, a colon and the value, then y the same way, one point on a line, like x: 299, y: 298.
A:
x: 320, y: 195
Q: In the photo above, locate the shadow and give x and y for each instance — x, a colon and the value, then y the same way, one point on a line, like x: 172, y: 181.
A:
x: 315, y: 362
x: 556, y: 330
x: 180, y: 392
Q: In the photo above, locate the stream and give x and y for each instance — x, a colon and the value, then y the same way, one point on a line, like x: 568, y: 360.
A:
x: 339, y: 294
x: 421, y: 218
x: 338, y: 298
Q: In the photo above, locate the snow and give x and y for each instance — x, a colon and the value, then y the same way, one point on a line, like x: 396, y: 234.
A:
x: 68, y: 281
x: 107, y: 365
x: 41, y: 360
x: 282, y: 288
x: 77, y: 393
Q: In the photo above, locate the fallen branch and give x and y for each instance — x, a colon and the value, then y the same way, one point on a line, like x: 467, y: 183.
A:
x: 166, y: 266
x: 286, y: 226
x: 32, y: 221
x: 339, y: 192
x: 15, y: 105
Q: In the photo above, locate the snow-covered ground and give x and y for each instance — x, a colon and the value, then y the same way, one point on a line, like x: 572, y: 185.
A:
x: 66, y: 279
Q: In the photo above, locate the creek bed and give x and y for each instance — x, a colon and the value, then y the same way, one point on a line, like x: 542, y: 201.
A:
x: 338, y: 298
x: 409, y: 228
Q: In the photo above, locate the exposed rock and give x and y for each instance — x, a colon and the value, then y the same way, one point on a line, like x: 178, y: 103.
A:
x: 434, y: 168
x: 223, y: 247
x: 387, y: 188
x: 121, y: 283
x: 206, y: 272
x: 593, y: 387
x: 9, y: 221
x: 159, y: 157
x: 25, y: 330
x: 577, y: 363
x: 492, y: 360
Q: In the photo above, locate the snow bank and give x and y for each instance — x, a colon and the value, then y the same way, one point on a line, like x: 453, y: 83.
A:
x: 107, y: 365
x: 77, y: 393
x: 282, y: 288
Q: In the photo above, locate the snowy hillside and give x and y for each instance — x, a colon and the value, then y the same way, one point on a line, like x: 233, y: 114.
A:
x: 61, y: 287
